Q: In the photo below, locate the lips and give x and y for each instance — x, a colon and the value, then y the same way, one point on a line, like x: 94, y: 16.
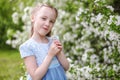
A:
x: 45, y: 28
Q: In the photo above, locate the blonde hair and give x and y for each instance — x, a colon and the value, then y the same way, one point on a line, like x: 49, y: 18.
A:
x: 36, y: 8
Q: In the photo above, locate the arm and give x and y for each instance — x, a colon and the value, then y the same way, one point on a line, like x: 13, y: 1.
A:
x: 62, y: 59
x: 37, y: 72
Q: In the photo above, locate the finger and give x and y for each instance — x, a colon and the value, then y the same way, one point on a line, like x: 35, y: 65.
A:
x: 59, y: 47
x: 57, y: 43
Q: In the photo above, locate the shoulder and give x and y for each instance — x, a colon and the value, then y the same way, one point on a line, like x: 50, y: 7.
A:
x: 26, y: 49
x: 26, y: 44
x: 49, y: 38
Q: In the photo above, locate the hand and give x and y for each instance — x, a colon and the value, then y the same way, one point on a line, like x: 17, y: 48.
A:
x: 59, y: 45
x: 55, y: 48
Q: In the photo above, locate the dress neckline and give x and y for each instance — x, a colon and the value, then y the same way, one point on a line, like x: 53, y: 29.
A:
x: 41, y: 42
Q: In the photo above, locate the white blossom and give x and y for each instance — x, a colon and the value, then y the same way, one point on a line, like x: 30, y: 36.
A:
x: 118, y: 20
x: 93, y: 19
x: 80, y: 11
x: 94, y: 58
x: 84, y: 57
x: 115, y: 67
x: 69, y: 60
x: 110, y: 20
x: 8, y: 42
x: 110, y: 7
x: 86, y: 72
x: 15, y: 17
x: 99, y: 17
x: 21, y: 78
x: 96, y: 1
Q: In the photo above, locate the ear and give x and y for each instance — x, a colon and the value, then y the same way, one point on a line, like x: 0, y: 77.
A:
x: 32, y: 18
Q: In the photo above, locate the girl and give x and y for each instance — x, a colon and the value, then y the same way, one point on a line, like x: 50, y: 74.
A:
x: 43, y: 56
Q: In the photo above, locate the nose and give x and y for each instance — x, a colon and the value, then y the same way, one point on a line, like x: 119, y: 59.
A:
x: 47, y: 23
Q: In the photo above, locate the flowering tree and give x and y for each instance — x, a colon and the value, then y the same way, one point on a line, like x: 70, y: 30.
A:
x: 89, y: 31
x: 91, y: 36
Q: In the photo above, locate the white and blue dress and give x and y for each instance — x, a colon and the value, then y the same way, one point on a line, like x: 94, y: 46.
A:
x: 40, y: 50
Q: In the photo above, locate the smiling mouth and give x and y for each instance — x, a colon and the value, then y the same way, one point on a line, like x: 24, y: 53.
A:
x: 45, y: 28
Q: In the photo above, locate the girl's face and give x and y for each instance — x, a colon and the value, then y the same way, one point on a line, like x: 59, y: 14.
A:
x: 43, y: 21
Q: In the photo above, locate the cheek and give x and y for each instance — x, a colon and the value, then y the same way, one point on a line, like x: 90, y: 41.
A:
x: 37, y: 24
x: 51, y: 26
x: 36, y: 27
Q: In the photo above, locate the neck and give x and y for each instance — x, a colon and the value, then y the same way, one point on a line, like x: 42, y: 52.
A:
x: 39, y: 38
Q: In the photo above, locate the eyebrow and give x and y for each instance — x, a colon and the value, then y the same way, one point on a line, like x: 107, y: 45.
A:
x: 50, y: 18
